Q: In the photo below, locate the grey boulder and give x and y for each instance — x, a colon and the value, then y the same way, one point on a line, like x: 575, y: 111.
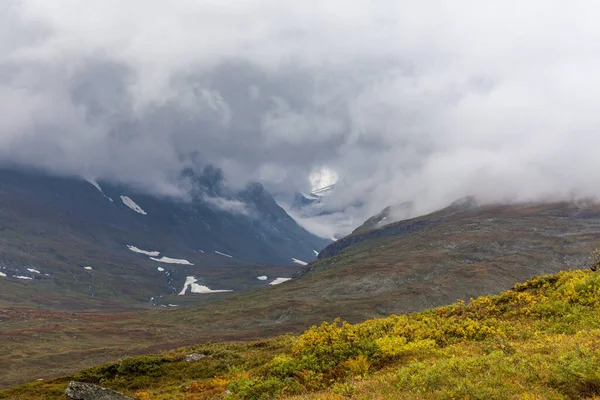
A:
x: 89, y: 391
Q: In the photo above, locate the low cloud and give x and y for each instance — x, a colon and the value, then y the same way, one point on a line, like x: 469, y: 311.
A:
x: 425, y: 102
x: 231, y: 206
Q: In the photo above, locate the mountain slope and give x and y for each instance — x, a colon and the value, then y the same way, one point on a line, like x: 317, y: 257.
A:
x: 535, y: 341
x: 75, y: 243
x: 407, y: 266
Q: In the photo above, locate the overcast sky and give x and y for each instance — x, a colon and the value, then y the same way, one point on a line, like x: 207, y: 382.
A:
x: 426, y: 101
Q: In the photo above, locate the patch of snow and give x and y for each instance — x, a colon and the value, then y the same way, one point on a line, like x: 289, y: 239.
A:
x: 22, y: 277
x: 309, y: 196
x: 261, y: 278
x: 279, y: 280
x: 2, y: 274
x: 88, y: 268
x: 190, y: 282
x: 146, y: 252
x: 93, y: 182
x: 381, y: 220
x: 33, y: 270
x: 316, y: 252
x: 131, y: 204
x: 204, y: 289
x: 169, y: 260
x: 223, y: 254
x: 299, y: 261
x: 201, y: 251
x: 160, y: 269
x: 173, y: 305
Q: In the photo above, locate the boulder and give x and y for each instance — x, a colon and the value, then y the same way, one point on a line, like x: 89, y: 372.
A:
x: 195, y: 357
x: 89, y: 391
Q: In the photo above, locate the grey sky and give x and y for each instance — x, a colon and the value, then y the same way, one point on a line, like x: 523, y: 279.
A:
x: 426, y: 101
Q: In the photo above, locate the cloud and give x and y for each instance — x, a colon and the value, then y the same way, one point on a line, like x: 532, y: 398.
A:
x: 231, y: 206
x: 424, y: 102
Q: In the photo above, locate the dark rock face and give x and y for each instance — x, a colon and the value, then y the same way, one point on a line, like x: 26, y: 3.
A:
x: 89, y: 391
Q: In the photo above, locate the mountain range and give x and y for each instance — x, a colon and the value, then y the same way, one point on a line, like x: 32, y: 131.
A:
x: 71, y: 243
x: 460, y: 252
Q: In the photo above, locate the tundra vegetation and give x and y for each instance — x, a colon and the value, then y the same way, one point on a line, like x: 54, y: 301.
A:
x: 539, y: 340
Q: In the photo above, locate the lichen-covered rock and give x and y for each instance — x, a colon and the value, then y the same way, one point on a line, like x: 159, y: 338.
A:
x: 195, y: 357
x: 89, y: 391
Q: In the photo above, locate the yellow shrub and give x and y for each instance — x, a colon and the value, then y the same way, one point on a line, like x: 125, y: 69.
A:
x: 358, y: 366
x: 391, y: 347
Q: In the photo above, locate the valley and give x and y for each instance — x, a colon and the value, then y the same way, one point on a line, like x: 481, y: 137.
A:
x: 398, y: 268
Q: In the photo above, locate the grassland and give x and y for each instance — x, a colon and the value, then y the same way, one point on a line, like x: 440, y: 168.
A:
x: 539, y: 340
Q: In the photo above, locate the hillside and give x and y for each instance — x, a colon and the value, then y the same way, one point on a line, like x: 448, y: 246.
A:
x: 446, y: 256
x: 538, y: 340
x: 68, y: 243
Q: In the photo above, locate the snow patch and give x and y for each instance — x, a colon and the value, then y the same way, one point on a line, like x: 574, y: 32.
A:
x: 223, y: 254
x: 2, y: 274
x: 33, y: 270
x: 190, y: 282
x: 280, y: 280
x: 93, y: 182
x: 261, y: 278
x: 299, y: 261
x: 22, y: 277
x: 201, y: 251
x: 309, y: 196
x: 170, y: 260
x: 88, y: 268
x: 160, y: 269
x: 146, y: 252
x: 205, y: 289
x: 132, y: 204
x: 316, y: 252
x: 173, y: 305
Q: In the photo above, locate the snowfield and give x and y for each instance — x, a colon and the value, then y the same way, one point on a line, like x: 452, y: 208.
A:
x: 280, y: 280
x: 160, y: 269
x: 93, y: 182
x: 146, y: 252
x: 131, y: 204
x: 299, y: 261
x: 33, y: 270
x: 223, y: 254
x: 2, y: 274
x: 261, y: 278
x: 316, y: 252
x: 170, y: 260
x: 22, y: 277
x: 88, y: 268
x: 190, y: 282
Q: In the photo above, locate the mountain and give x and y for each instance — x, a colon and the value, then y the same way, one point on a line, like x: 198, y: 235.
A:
x: 313, y: 203
x: 67, y: 242
x: 460, y: 252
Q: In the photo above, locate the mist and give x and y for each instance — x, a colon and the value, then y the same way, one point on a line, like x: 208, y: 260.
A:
x: 426, y: 102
